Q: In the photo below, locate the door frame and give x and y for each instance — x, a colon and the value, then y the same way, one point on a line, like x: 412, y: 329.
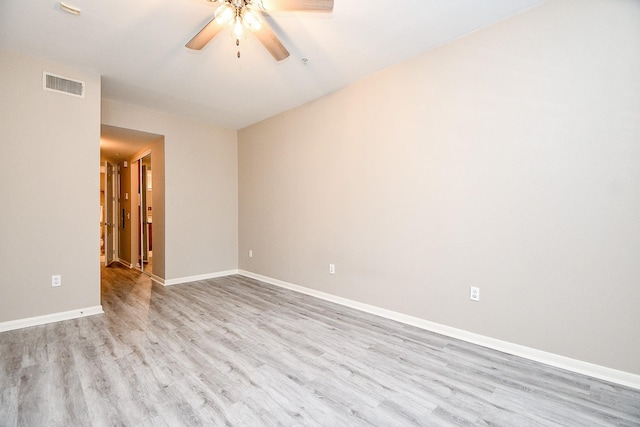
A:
x: 141, y: 235
x: 110, y: 213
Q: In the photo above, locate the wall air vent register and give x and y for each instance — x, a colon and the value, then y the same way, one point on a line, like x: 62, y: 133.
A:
x: 61, y: 84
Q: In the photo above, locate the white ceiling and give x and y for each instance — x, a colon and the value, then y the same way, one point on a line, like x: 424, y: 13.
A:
x: 138, y: 48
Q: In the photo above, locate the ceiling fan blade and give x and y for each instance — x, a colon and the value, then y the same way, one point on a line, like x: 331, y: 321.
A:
x: 271, y: 42
x: 303, y: 5
x: 205, y: 35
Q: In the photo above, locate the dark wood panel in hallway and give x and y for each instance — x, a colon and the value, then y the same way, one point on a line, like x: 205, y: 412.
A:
x: 234, y: 351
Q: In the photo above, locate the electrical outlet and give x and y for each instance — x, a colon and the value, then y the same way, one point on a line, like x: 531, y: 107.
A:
x: 250, y: 253
x: 474, y: 294
x: 332, y: 269
x: 56, y: 280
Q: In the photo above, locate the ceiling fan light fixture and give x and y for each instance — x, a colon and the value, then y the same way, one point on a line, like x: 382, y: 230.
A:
x: 238, y: 28
x: 224, y: 14
x: 251, y: 19
x: 238, y: 14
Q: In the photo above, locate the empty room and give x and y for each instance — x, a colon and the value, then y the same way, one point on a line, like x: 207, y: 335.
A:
x: 320, y: 213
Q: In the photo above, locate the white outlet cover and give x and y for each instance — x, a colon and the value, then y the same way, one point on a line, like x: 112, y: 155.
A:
x: 474, y: 293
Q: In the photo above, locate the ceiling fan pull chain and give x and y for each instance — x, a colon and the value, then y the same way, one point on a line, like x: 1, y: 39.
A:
x: 238, y: 44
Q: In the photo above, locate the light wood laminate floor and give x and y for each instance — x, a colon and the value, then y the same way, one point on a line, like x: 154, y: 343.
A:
x: 234, y: 351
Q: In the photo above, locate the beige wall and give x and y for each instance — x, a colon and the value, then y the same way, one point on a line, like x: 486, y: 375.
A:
x: 201, y: 196
x: 159, y: 208
x: 49, y: 144
x: 52, y: 201
x: 508, y: 160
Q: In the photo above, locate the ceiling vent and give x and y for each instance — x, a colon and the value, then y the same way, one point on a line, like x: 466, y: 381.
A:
x: 61, y: 84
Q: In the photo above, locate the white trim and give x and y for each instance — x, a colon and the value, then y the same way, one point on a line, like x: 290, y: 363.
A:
x: 179, y: 280
x: 159, y: 280
x: 552, y: 359
x: 50, y: 318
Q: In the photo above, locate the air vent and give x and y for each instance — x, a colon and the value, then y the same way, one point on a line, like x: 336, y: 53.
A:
x: 61, y: 84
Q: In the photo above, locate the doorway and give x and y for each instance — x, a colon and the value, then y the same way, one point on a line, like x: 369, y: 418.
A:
x: 138, y: 196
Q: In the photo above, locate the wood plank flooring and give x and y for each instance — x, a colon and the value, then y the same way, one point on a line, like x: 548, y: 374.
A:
x: 237, y: 352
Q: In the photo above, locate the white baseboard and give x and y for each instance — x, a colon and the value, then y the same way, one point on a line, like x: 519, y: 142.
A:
x: 179, y: 280
x: 50, y: 318
x: 578, y: 366
x: 159, y: 280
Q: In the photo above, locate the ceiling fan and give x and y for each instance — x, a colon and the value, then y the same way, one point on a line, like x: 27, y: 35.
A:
x: 247, y: 14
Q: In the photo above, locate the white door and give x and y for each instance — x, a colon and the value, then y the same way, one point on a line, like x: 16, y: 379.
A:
x: 110, y: 213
